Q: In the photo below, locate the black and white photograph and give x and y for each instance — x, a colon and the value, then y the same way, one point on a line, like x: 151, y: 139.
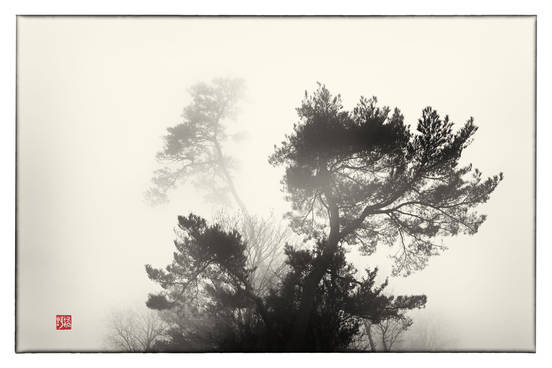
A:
x: 275, y: 184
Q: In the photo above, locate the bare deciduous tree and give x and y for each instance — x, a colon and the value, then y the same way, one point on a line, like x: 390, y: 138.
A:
x: 391, y: 330
x: 265, y: 238
x: 382, y: 336
x: 133, y: 331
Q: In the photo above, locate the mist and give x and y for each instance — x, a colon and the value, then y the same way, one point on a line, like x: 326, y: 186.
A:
x: 96, y: 95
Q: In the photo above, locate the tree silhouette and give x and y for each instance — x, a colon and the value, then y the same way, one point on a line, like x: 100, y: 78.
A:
x: 210, y: 267
x: 194, y: 148
x: 362, y: 178
x: 354, y: 178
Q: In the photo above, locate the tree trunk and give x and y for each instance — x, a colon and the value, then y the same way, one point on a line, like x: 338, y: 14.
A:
x: 296, y: 343
x: 228, y: 178
x: 322, y: 263
x: 370, y: 338
x: 385, y: 347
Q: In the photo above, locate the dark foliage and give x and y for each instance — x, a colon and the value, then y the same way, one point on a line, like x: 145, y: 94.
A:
x: 362, y: 178
x: 386, y: 183
x: 357, y: 177
x: 208, y: 287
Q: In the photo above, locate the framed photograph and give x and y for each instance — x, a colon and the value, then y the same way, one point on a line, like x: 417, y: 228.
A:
x: 276, y: 184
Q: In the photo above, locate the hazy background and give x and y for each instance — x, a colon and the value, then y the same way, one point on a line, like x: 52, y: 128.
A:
x: 96, y: 94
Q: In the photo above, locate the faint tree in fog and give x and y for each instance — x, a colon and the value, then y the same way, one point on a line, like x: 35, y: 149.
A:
x: 391, y: 330
x: 227, y: 313
x: 361, y: 177
x: 429, y: 333
x: 193, y: 149
x: 265, y: 238
x: 131, y: 331
x: 381, y: 336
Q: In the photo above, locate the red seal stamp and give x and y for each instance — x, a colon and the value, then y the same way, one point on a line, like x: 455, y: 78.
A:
x: 63, y: 322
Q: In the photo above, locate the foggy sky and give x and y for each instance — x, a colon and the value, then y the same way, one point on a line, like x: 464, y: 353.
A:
x: 95, y: 96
